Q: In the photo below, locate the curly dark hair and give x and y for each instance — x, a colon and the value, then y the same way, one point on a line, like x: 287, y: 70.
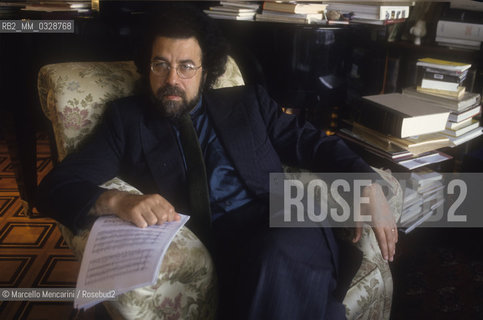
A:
x: 185, y: 22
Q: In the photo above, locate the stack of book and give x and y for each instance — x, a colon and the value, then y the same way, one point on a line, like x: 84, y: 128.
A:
x: 441, y: 82
x: 372, y: 13
x: 463, y: 122
x: 234, y: 10
x: 399, y: 128
x: 423, y: 196
x: 442, y: 77
x: 292, y: 12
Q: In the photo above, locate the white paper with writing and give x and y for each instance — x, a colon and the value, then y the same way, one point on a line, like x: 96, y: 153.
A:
x: 119, y: 257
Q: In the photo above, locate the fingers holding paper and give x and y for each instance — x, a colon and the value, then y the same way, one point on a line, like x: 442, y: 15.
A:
x: 141, y: 210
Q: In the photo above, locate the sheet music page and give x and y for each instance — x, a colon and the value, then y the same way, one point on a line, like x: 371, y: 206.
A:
x: 120, y: 257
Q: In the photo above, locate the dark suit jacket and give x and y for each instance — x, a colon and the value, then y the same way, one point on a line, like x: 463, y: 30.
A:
x: 136, y: 144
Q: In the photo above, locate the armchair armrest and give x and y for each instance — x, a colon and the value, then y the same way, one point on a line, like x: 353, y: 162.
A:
x: 370, y: 293
x: 186, y: 284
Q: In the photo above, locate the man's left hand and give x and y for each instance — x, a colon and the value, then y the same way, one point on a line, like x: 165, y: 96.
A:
x: 383, y: 223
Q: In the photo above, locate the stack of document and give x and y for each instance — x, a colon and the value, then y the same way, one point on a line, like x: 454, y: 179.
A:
x: 233, y: 10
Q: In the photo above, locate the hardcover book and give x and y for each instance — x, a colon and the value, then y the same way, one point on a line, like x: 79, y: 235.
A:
x: 442, y: 77
x: 292, y: 7
x: 460, y: 30
x: 443, y: 64
x: 439, y: 85
x: 461, y: 131
x: 401, y: 115
x: 453, y: 103
x: 444, y: 93
x: 464, y: 114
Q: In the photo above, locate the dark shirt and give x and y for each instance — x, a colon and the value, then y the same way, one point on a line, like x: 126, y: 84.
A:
x: 227, y: 191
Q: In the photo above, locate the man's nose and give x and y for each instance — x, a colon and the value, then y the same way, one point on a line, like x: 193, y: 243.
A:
x: 172, y: 77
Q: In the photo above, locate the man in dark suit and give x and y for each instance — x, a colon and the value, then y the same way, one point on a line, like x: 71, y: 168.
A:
x: 265, y: 273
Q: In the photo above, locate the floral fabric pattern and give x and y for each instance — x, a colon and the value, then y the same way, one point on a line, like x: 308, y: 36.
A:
x: 73, y: 96
x: 74, y: 118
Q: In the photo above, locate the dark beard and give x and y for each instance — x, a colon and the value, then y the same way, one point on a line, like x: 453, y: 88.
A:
x: 174, y: 109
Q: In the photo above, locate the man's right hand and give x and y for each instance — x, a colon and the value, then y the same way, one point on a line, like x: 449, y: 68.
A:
x: 141, y: 210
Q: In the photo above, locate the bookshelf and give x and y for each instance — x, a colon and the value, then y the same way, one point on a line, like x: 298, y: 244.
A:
x: 288, y: 59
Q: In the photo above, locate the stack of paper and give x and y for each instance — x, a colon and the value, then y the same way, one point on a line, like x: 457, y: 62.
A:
x: 233, y: 10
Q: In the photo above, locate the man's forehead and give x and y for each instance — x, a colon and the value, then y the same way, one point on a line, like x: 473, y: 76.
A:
x: 184, y: 46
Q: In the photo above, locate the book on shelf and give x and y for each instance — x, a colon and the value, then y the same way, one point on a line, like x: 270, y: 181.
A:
x: 475, y: 133
x: 457, y: 116
x: 338, y: 22
x: 229, y: 15
x: 440, y: 85
x: 457, y: 132
x: 459, y: 43
x: 440, y: 76
x: 444, y: 93
x: 240, y: 4
x: 294, y: 7
x: 377, y: 21
x: 411, y: 210
x: 307, y: 18
x: 392, y: 152
x: 473, y: 8
x: 408, y: 227
x: 414, y: 212
x: 453, y: 103
x: 456, y: 73
x: 58, y: 6
x: 428, y: 207
x: 424, y: 160
x: 423, y: 195
x: 80, y: 4
x: 377, y: 146
x: 410, y: 197
x: 231, y: 12
x: 443, y: 64
x: 460, y: 30
x: 423, y: 176
x: 400, y: 115
x: 371, y: 11
x: 458, y: 125
x: 119, y: 257
x: 416, y: 145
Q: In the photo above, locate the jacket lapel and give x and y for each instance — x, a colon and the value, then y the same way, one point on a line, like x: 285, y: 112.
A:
x: 164, y: 159
x: 233, y: 129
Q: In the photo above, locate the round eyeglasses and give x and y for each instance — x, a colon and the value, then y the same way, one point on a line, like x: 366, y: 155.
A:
x: 183, y: 70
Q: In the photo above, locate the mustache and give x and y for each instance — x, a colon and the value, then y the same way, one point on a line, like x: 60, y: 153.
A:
x: 170, y: 90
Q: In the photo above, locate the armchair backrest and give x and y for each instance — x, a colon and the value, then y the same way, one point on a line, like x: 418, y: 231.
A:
x: 74, y: 95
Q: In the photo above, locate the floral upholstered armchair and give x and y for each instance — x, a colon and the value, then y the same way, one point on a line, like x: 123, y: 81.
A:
x: 73, y: 96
